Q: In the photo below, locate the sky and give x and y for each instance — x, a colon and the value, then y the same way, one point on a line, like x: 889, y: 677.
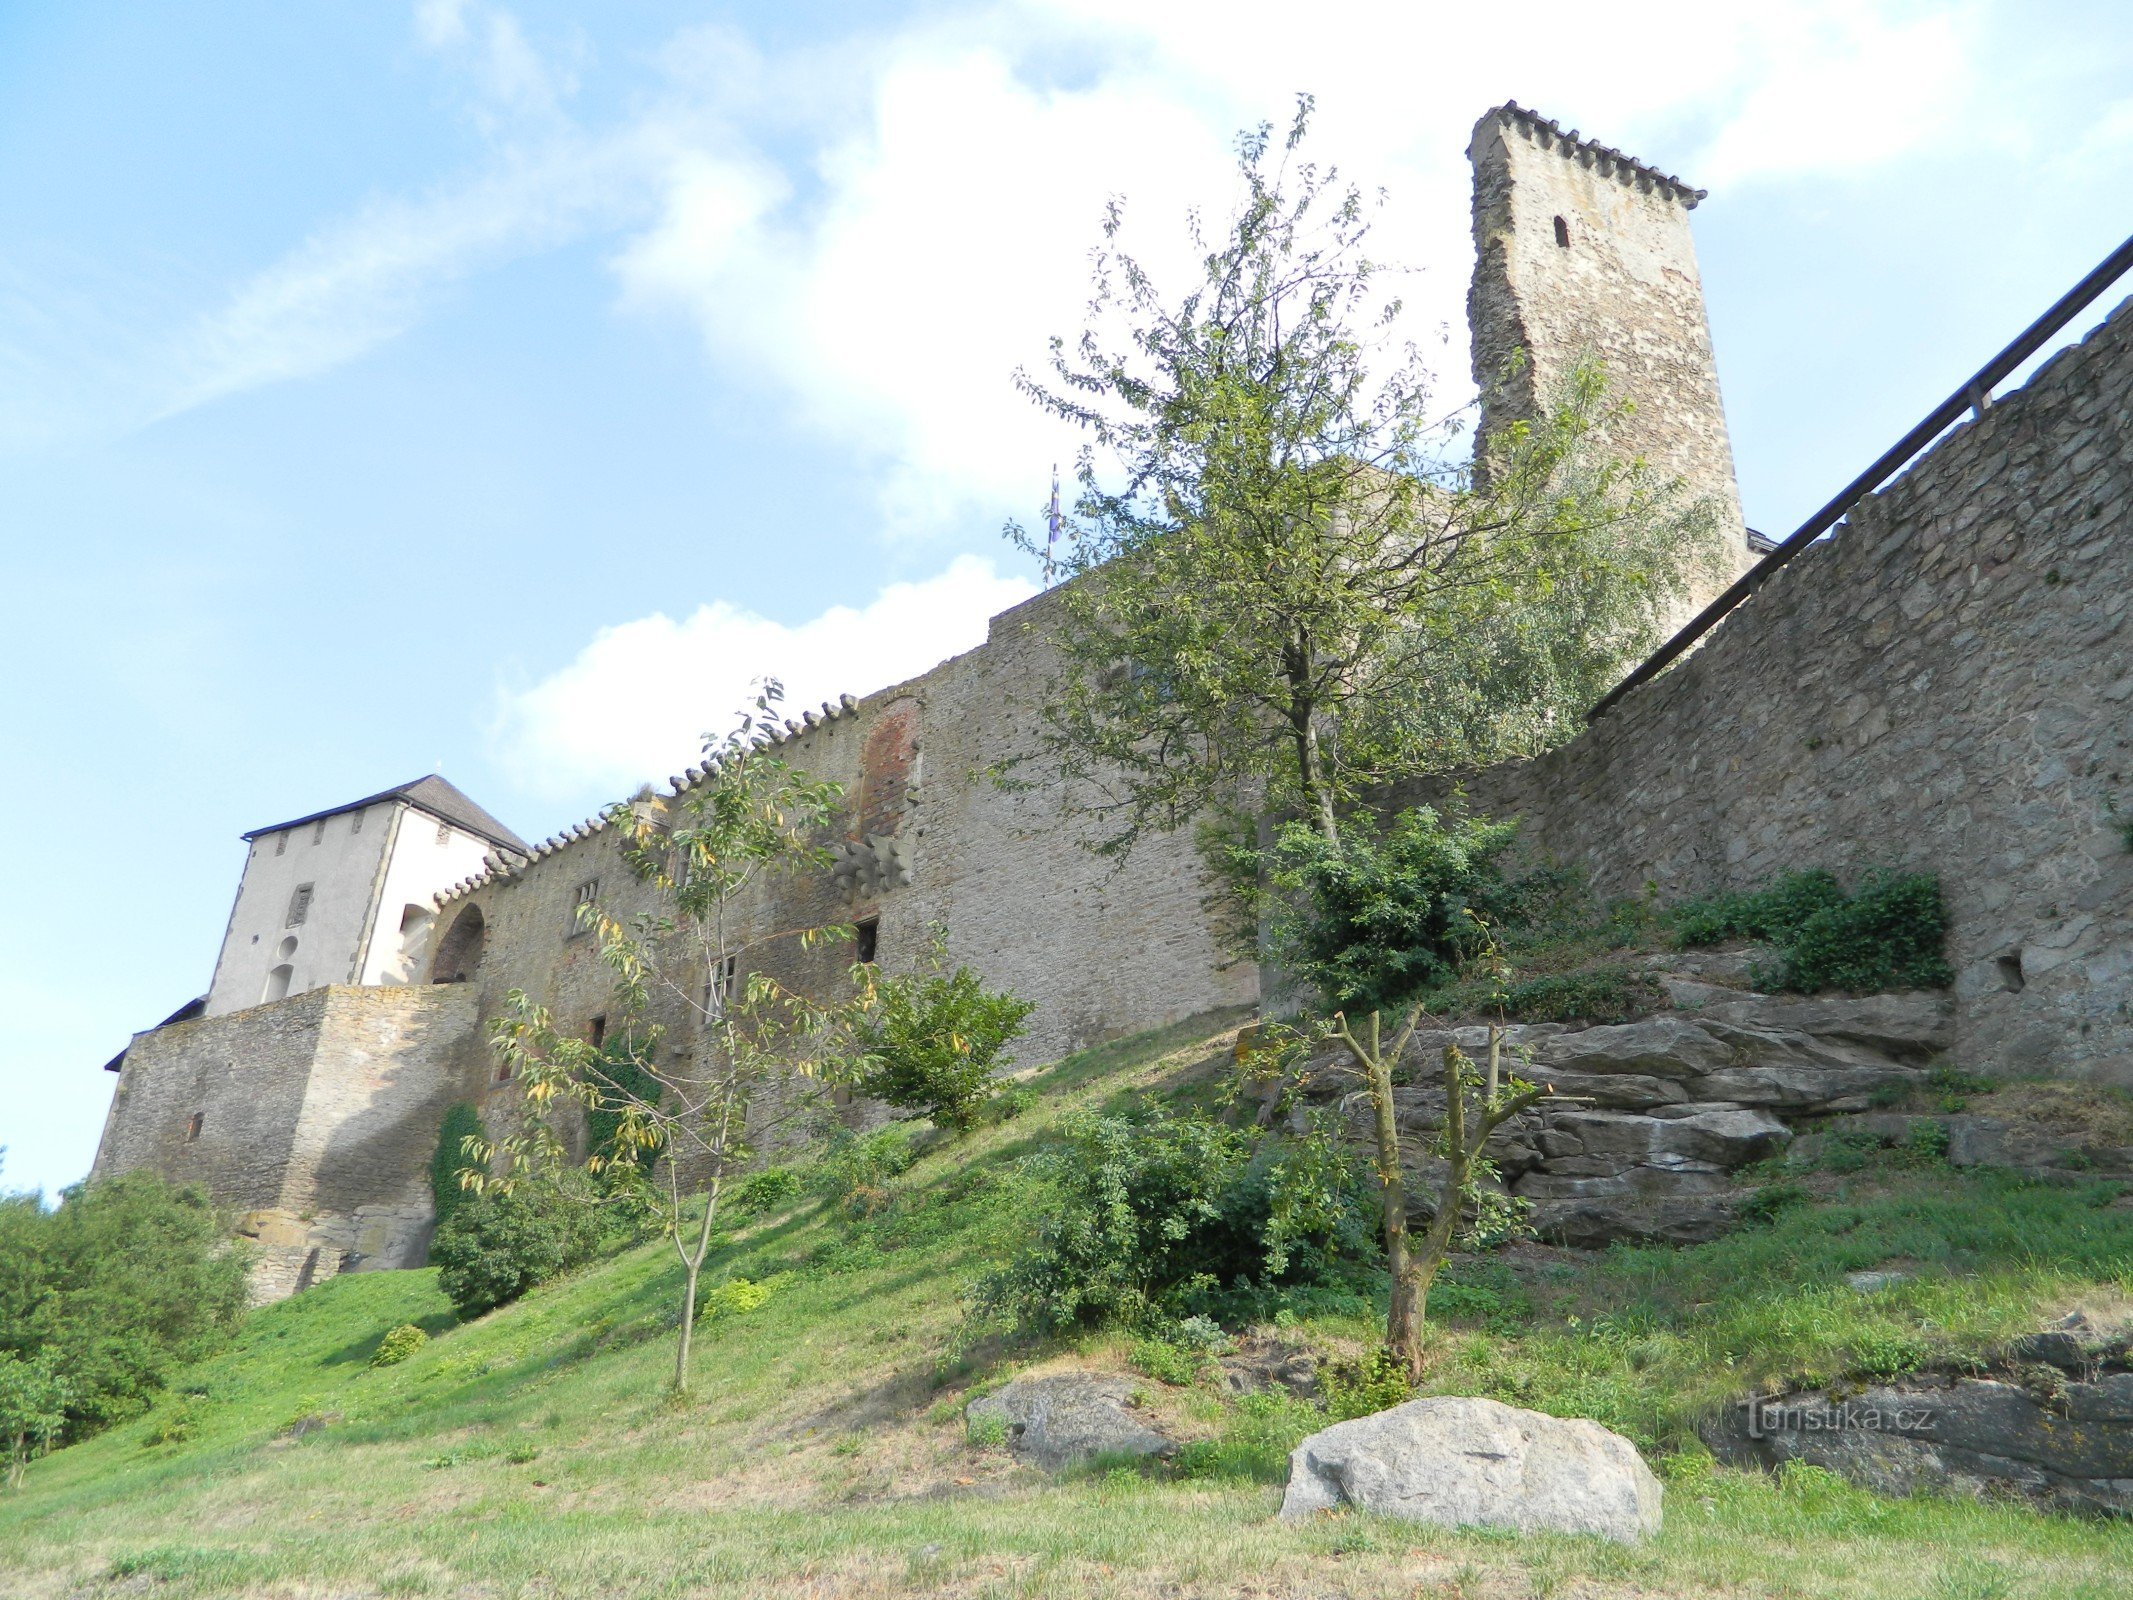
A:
x: 499, y: 389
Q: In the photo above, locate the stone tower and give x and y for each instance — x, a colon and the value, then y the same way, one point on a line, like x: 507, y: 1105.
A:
x: 1582, y: 251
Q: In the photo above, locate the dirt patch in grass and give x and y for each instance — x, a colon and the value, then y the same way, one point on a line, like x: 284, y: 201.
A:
x: 2089, y: 1112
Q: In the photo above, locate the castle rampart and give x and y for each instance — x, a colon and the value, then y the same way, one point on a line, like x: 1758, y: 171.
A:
x: 1945, y: 684
x: 313, y: 1118
x: 931, y: 837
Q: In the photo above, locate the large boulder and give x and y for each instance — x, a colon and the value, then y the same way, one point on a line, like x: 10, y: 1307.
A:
x: 1068, y: 1418
x: 1658, y: 1047
x: 1472, y: 1463
x: 1592, y: 1222
x: 1911, y: 1026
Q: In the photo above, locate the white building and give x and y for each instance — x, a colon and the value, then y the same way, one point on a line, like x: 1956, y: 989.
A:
x: 346, y: 895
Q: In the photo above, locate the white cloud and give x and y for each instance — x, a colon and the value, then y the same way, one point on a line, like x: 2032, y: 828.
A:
x: 638, y: 700
x: 938, y: 231
x: 363, y: 281
x: 876, y: 230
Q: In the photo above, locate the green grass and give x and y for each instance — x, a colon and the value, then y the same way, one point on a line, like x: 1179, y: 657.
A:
x: 822, y: 1450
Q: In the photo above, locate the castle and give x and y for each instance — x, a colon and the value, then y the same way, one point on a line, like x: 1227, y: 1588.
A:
x: 1945, y: 684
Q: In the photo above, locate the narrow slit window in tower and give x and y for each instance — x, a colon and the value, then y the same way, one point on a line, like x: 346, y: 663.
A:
x: 866, y: 938
x: 1562, y: 233
x: 192, y: 1126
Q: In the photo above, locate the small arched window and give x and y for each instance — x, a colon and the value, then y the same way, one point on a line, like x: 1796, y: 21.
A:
x: 1562, y: 233
x: 278, y: 981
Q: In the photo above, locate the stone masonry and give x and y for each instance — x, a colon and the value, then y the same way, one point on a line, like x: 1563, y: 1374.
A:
x: 1581, y: 252
x: 1944, y: 684
x: 313, y: 1119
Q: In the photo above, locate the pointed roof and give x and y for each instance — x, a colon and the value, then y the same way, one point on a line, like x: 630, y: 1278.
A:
x: 431, y: 794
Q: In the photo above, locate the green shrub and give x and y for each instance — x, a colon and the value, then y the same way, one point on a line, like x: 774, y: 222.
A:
x: 1388, y: 911
x: 33, y: 1411
x: 1166, y: 1362
x: 856, y: 1170
x: 932, y: 1043
x: 1773, y: 915
x: 1597, y: 994
x: 1889, y: 934
x: 501, y: 1243
x: 768, y: 1190
x: 398, y: 1344
x: 1156, y: 1216
x: 126, y: 1280
x: 1357, y: 1389
x: 175, y: 1423
x: 737, y: 1297
x: 461, y: 1123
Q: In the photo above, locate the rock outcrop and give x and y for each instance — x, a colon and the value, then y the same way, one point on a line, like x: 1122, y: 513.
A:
x: 1471, y: 1463
x: 2051, y: 1423
x: 1068, y: 1418
x: 1652, y: 1119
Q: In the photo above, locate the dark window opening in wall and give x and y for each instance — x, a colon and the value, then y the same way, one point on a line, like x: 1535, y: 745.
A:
x: 1562, y: 233
x: 458, y: 955
x: 596, y: 1033
x: 281, y: 841
x: 192, y: 1126
x: 2012, y: 978
x: 586, y: 894
x: 720, y: 986
x: 866, y: 938
x: 299, y: 905
x: 318, y: 830
x: 503, y: 1072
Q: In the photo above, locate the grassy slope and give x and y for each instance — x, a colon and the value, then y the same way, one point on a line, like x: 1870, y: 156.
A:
x: 534, y: 1452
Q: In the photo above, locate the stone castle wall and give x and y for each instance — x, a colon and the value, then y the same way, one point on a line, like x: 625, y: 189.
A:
x: 317, y: 1117
x: 1102, y: 949
x: 1946, y: 684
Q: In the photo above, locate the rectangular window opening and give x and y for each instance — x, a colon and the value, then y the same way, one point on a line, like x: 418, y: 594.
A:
x: 318, y: 830
x: 355, y: 821
x: 192, y: 1127
x: 596, y: 1032
x: 586, y: 894
x: 281, y: 842
x: 299, y: 905
x: 720, y: 987
x: 866, y: 938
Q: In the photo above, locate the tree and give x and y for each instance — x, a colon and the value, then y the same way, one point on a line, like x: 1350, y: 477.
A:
x: 33, y: 1410
x: 1290, y: 593
x: 1294, y: 594
x: 678, y: 1115
x: 1469, y: 1119
x: 1369, y: 922
x: 931, y: 1042
x: 125, y: 1280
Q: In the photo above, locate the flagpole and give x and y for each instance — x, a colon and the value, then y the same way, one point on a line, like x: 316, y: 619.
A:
x: 1051, y: 524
